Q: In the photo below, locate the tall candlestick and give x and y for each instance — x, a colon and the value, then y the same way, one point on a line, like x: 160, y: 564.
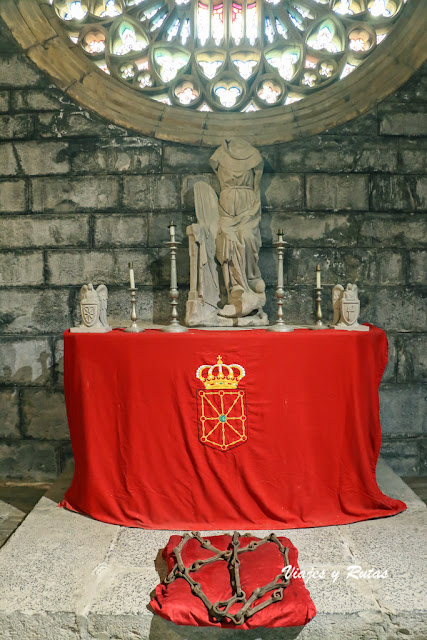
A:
x: 173, y: 326
x: 133, y: 327
x: 319, y: 315
x: 280, y: 292
x: 131, y: 276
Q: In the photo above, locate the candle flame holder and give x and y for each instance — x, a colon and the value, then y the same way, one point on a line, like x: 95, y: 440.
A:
x: 280, y: 324
x: 133, y: 327
x: 174, y: 326
x: 319, y: 315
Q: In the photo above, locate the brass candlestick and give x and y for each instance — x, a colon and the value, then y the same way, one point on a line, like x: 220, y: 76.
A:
x: 174, y: 326
x: 133, y: 327
x: 280, y: 292
x: 319, y: 315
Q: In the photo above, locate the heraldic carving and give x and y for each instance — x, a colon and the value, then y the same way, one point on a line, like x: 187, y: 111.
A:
x: 346, y: 306
x: 221, y: 406
x: 93, y: 307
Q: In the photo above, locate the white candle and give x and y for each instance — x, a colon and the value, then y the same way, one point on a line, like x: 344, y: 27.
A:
x: 172, y: 231
x: 280, y: 235
x: 131, y: 276
x: 318, y: 277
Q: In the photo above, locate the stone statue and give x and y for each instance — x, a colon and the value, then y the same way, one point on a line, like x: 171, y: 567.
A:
x: 346, y: 307
x: 93, y: 307
x: 337, y: 292
x: 226, y: 286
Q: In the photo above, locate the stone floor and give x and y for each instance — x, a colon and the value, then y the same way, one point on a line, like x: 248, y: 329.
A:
x: 66, y: 577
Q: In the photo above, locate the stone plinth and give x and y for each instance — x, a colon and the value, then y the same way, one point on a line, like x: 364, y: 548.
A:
x: 64, y: 576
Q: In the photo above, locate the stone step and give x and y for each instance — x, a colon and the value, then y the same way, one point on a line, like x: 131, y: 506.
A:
x: 19, y: 497
x: 64, y: 576
x: 10, y: 519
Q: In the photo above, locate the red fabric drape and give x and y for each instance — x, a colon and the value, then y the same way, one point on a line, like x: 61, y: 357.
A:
x: 312, y: 420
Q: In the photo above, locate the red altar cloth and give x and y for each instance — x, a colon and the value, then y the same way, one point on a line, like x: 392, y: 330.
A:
x: 309, y: 415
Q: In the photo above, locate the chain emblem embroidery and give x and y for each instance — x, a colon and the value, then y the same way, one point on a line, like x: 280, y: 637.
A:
x: 221, y: 406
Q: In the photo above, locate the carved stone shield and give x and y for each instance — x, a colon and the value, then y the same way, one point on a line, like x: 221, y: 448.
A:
x: 350, y: 311
x: 90, y: 312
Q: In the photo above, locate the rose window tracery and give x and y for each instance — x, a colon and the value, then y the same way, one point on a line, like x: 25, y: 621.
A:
x: 228, y: 55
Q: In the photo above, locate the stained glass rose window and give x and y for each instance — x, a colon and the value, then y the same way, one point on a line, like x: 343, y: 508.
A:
x: 228, y: 55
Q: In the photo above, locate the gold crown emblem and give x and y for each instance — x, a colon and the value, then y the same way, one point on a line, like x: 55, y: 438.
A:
x: 220, y: 375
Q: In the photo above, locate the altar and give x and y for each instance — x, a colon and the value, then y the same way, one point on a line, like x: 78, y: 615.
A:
x: 226, y: 429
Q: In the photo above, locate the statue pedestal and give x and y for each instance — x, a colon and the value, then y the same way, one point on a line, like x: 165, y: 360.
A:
x: 84, y: 329
x: 213, y: 320
x: 355, y: 327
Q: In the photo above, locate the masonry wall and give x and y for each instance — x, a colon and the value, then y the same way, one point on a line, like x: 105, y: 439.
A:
x: 80, y: 197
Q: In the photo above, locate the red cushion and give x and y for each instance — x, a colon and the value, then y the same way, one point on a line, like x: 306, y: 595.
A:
x: 176, y: 603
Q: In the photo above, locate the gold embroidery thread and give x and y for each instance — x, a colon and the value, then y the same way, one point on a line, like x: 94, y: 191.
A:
x: 221, y: 407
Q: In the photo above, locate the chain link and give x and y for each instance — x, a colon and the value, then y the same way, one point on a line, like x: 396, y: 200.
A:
x: 220, y: 610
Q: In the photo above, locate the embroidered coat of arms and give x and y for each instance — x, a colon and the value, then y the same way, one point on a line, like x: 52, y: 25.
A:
x: 221, y: 407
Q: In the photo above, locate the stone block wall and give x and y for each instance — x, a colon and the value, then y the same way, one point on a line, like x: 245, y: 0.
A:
x: 80, y: 197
